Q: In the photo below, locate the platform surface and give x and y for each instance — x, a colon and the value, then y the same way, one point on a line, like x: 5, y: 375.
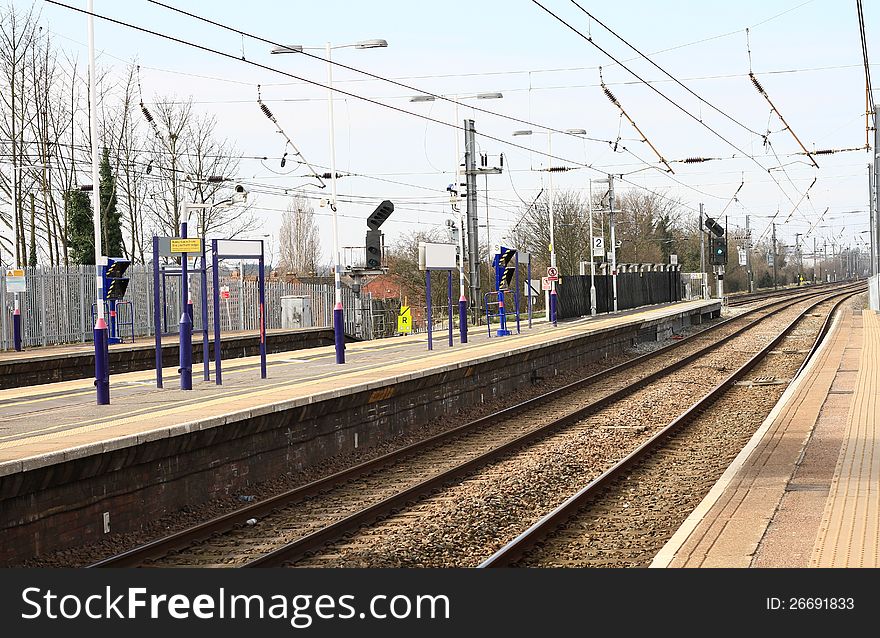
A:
x: 46, y: 424
x: 805, y: 491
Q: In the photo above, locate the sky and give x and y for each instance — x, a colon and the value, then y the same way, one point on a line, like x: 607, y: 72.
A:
x: 806, y: 55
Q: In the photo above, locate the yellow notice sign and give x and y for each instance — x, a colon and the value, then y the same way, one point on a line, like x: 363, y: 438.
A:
x: 188, y: 245
x: 404, y: 320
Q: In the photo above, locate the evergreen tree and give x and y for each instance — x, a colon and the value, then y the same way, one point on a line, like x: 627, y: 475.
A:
x: 80, y: 229
x: 111, y: 225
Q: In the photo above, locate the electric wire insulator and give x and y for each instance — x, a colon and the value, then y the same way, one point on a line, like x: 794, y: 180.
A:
x: 757, y: 84
x: 147, y: 113
x: 696, y: 160
x: 610, y: 95
x: 825, y: 151
x: 266, y: 111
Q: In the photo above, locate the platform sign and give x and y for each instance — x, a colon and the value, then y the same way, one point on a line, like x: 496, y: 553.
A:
x: 404, y: 320
x: 15, y: 280
x: 598, y: 246
x: 742, y: 256
x: 546, y: 283
x: 673, y: 260
x: 531, y: 287
x: 186, y: 245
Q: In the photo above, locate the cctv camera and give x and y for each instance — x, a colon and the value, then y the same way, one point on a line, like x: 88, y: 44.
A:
x: 239, y: 188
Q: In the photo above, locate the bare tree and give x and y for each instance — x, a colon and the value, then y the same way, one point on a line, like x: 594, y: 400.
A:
x: 298, y: 239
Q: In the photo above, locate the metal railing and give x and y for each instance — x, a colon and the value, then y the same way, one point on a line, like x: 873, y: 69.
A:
x: 57, y: 307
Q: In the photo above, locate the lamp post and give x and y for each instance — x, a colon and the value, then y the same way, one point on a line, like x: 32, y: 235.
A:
x: 462, y: 300
x: 548, y: 295
x: 102, y: 355
x: 338, y: 316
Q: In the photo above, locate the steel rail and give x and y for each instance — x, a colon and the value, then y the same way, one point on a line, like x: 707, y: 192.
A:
x: 535, y: 534
x: 187, y: 537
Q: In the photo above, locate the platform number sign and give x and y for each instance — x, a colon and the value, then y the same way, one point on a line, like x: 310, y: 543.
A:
x: 404, y: 320
x: 598, y: 246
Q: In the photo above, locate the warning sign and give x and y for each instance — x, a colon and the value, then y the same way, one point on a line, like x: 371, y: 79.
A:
x: 15, y: 281
x: 187, y: 245
x: 404, y: 320
x: 224, y: 292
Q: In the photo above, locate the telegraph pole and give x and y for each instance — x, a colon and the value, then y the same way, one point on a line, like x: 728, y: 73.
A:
x: 775, y: 256
x: 472, y: 221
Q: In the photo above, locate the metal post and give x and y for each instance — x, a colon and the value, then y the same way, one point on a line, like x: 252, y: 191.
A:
x: 548, y: 293
x: 815, y: 259
x: 185, y: 325
x: 462, y: 299
x: 702, y: 256
x: 749, y: 256
x: 473, y: 225
x: 613, y: 240
x: 877, y: 183
x: 338, y: 318
x: 157, y: 318
x: 262, y: 291
x: 529, y: 279
x: 592, y: 259
x: 102, y: 354
x: 215, y: 265
x: 428, y: 299
x: 775, y: 256
x: 516, y: 291
x: 206, y: 364
x: 449, y: 302
x: 553, y: 306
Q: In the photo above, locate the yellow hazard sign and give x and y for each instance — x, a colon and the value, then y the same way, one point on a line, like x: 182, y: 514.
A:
x: 186, y: 245
x: 404, y: 320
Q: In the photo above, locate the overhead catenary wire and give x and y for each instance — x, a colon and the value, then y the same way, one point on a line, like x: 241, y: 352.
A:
x: 623, y: 112
x: 661, y: 94
x: 760, y: 89
x: 268, y: 113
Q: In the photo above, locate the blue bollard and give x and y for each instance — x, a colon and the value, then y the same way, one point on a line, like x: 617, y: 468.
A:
x: 102, y: 363
x: 339, y: 333
x: 462, y: 318
x: 186, y: 379
x: 16, y: 329
x: 553, y: 306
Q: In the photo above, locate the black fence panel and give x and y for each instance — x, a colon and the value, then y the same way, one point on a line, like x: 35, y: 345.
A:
x: 634, y: 289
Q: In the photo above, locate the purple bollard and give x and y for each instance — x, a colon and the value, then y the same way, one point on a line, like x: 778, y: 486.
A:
x: 553, y: 306
x: 16, y: 329
x: 102, y: 363
x: 339, y: 333
x: 462, y: 318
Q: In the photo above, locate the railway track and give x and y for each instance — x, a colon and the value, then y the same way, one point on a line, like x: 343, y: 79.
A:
x: 289, y: 526
x: 623, y: 517
x: 752, y: 297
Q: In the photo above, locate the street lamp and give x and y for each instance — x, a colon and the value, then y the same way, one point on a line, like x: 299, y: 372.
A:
x: 610, y: 181
x: 551, y: 314
x: 338, y: 317
x: 462, y: 300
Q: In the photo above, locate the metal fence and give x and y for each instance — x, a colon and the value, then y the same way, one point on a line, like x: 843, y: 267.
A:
x: 58, y: 307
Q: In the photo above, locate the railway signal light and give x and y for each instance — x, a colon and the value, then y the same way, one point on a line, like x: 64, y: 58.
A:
x: 718, y: 250
x: 374, y: 248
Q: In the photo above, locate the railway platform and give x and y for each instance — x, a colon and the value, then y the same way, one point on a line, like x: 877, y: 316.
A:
x: 71, y: 471
x: 803, y: 492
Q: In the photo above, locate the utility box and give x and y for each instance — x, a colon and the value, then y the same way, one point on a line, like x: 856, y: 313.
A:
x: 296, y: 311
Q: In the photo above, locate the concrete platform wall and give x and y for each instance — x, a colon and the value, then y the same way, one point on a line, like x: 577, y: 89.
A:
x: 62, y: 505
